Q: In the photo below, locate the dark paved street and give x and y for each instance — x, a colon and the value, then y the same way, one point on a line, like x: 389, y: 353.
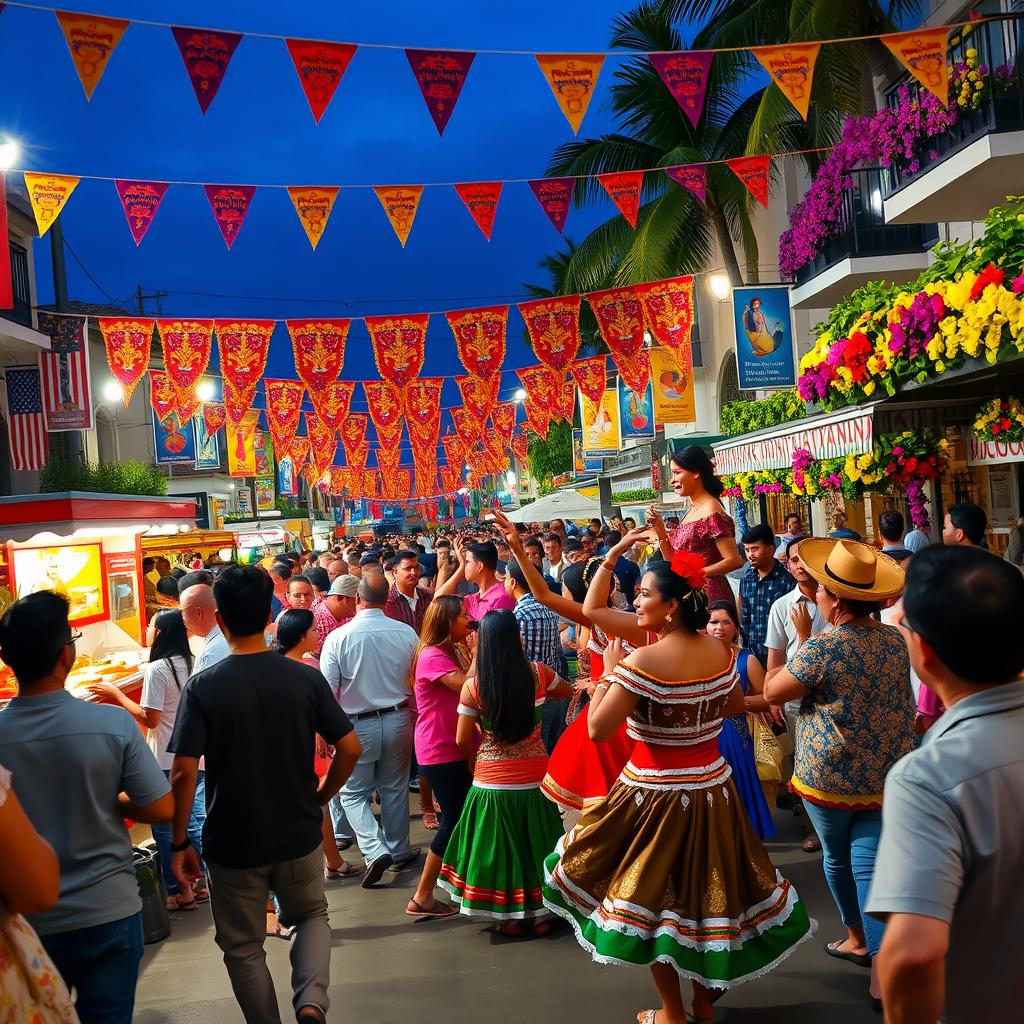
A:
x: 387, y: 969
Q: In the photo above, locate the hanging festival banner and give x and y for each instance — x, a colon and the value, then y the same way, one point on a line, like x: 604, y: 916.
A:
x: 672, y: 384
x: 206, y: 55
x: 320, y: 67
x: 341, y: 480
x: 572, y: 77
x: 241, y: 444
x: 537, y: 419
x: 755, y: 173
x: 924, y: 53
x: 323, y: 444
x: 236, y: 404
x: 242, y: 347
x: 188, y: 406
x: 313, y: 204
x: 520, y: 448
x: 440, y: 75
x: 480, y: 338
x: 791, y: 67
x: 620, y: 318
x: 423, y: 412
x: 127, y: 343
x: 668, y: 306
x: 691, y: 176
x: 140, y: 200
x: 425, y: 465
x: 48, y: 193
x: 400, y: 203
x: 284, y: 406
x: 91, y: 40
x: 319, y: 350
x: 331, y: 402
x: 186, y: 347
x: 384, y: 401
x: 357, y: 456
x: 388, y: 460
x: 230, y: 204
x: 398, y: 345
x: 163, y: 395
x: 466, y: 427
x: 503, y: 421
x: 554, y: 195
x: 624, y: 189
x: 298, y: 452
x: 565, y: 400
x: 541, y: 385
x: 451, y: 478
x: 554, y: 328
x: 481, y: 199
x: 479, y: 396
x: 214, y: 417
x: 403, y: 484
x: 454, y: 449
x: 685, y: 76
x: 352, y: 430
x: 589, y: 375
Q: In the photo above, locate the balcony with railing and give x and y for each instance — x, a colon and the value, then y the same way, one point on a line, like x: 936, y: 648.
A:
x: 863, y: 247
x: 971, y: 166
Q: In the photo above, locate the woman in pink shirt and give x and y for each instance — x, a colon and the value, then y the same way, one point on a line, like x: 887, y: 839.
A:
x: 440, y: 673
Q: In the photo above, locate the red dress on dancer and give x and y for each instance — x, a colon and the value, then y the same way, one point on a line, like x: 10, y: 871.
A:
x: 699, y: 536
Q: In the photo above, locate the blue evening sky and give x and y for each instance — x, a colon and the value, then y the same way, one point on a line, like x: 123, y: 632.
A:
x: 144, y: 123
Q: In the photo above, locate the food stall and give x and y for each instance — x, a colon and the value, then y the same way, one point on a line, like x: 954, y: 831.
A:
x: 177, y: 547
x: 88, y: 547
x: 262, y: 538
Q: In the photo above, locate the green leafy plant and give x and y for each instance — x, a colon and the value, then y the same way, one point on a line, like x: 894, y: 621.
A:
x: 547, y: 457
x: 743, y: 416
x: 289, y: 510
x: 109, y: 477
x: 635, y: 496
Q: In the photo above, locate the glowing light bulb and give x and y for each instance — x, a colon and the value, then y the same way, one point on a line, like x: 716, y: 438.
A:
x: 112, y: 391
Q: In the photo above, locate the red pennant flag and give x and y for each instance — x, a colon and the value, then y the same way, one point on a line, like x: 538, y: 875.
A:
x: 685, y: 75
x: 589, y: 375
x: 668, y: 306
x: 384, y: 401
x: 423, y: 412
x: 186, y: 346
x: 140, y: 200
x: 91, y: 41
x: 620, y: 317
x: 128, y: 343
x: 242, y: 346
x: 236, y: 403
x: 624, y: 189
x: 479, y: 395
x: 284, y: 407
x: 298, y: 452
x: 541, y: 386
x: 398, y: 345
x: 353, y: 431
x: 467, y: 426
x: 538, y: 420
x: 503, y: 420
x: 520, y: 448
x: 319, y: 350
x: 554, y: 195
x: 690, y: 176
x: 230, y: 204
x: 441, y: 75
x: 214, y: 416
x: 206, y: 55
x: 321, y: 67
x: 332, y: 401
x: 163, y: 395
x: 481, y: 199
x: 565, y: 400
x: 323, y: 443
x: 755, y: 173
x: 480, y: 338
x: 554, y: 328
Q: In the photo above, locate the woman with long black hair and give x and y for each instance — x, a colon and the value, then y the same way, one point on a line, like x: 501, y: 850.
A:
x: 493, y: 866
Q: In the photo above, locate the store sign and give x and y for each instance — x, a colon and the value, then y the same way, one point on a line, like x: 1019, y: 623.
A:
x: 994, y: 453
x: 852, y: 433
x: 629, y: 458
x: 261, y: 539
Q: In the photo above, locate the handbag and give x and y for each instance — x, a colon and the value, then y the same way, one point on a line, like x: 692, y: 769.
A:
x: 32, y: 988
x: 768, y: 751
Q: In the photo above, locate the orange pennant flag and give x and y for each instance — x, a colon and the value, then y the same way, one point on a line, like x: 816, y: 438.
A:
x: 163, y: 395
x: 353, y: 430
x: 384, y: 401
x: 791, y: 68
x: 624, y: 190
x: 924, y: 53
x: 128, y: 343
x: 398, y: 345
x: 480, y: 337
x: 48, y: 193
x: 400, y: 203
x: 479, y: 395
x: 332, y: 402
x: 91, y: 41
x: 554, y: 328
x: 503, y: 420
x: 572, y: 77
x: 313, y: 205
x: 589, y: 375
x: 319, y: 350
x: 284, y: 407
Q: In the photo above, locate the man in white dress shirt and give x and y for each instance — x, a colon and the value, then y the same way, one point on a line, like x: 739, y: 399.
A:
x: 198, y: 609
x: 367, y: 663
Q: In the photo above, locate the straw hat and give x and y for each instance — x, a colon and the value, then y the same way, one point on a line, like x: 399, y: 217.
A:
x: 851, y: 569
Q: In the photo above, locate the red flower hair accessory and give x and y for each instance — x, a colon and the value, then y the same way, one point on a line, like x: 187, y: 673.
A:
x: 691, y: 567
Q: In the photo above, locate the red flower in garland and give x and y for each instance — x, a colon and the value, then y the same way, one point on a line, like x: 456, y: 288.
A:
x: 691, y: 567
x: 856, y: 354
x: 990, y: 275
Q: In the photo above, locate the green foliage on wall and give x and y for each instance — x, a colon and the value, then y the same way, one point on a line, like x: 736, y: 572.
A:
x: 742, y: 416
x: 108, y: 477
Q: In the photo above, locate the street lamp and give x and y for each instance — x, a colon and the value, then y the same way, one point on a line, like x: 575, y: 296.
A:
x: 112, y: 391
x: 205, y: 391
x: 10, y: 151
x: 720, y: 286
x: 519, y: 396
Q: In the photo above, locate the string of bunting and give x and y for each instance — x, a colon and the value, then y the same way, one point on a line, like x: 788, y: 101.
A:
x: 441, y: 74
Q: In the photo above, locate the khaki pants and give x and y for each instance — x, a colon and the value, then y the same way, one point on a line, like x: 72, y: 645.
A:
x: 239, y: 900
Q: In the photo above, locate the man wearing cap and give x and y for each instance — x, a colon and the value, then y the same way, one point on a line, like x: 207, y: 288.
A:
x: 336, y: 608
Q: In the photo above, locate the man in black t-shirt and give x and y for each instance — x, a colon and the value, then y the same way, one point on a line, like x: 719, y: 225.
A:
x: 255, y: 717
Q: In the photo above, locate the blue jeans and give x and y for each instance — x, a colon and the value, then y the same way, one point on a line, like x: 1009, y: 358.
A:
x: 849, y: 843
x: 101, y: 964
x: 162, y: 835
x: 383, y: 765
x: 342, y: 829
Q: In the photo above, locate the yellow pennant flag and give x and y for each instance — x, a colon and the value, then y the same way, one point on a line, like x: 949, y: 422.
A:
x: 572, y: 77
x: 48, y: 193
x: 313, y: 205
x: 400, y: 203
x: 924, y: 53
x: 791, y: 68
x: 91, y: 41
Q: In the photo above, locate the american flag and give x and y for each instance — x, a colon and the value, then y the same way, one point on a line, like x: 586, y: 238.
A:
x: 64, y: 373
x: 26, y: 426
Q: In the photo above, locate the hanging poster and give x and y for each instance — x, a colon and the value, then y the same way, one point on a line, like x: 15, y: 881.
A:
x: 174, y: 444
x: 601, y: 435
x: 207, y: 445
x: 673, y: 387
x: 244, y: 498
x: 764, y: 336
x: 581, y: 464
x: 241, y: 445
x: 264, y: 493
x: 636, y: 410
x: 286, y: 478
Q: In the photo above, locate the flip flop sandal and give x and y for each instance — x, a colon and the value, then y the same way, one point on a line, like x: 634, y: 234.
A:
x: 860, y: 959
x: 430, y: 821
x: 201, y: 895
x: 437, y: 911
x: 346, y: 870
x: 173, y: 903
x: 811, y: 845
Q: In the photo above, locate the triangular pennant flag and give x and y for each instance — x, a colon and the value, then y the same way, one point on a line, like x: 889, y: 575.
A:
x: 754, y: 172
x: 589, y: 375
x: 400, y: 203
x: 242, y: 347
x: 214, y: 416
x: 554, y: 194
x: 332, y: 402
x: 230, y: 204
x: 313, y: 204
x: 441, y: 75
x: 352, y: 430
x: 624, y: 189
x: 284, y: 407
x: 206, y: 55
x: 91, y: 41
x: 479, y: 395
x: 691, y: 176
x: 668, y: 306
x: 399, y: 343
x: 685, y: 74
x: 620, y: 318
x: 481, y: 199
x: 480, y: 337
x: 320, y: 67
x: 503, y: 421
x: 791, y: 68
x: 384, y: 400
x: 924, y: 53
x: 572, y: 77
x: 319, y: 350
x: 186, y: 347
x: 48, y: 193
x: 163, y: 395
x: 141, y: 200
x: 554, y: 328
x: 128, y: 343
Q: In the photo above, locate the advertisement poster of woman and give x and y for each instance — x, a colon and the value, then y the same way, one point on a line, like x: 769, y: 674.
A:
x: 764, y: 336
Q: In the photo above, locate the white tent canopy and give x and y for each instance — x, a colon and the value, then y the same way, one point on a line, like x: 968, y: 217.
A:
x: 560, y: 505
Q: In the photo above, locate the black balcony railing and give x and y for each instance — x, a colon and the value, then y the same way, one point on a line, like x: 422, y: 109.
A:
x: 1000, y: 107
x: 863, y: 230
x: 21, y: 312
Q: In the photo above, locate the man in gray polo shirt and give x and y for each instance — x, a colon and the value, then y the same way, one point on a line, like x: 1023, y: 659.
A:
x: 947, y: 874
x: 79, y: 769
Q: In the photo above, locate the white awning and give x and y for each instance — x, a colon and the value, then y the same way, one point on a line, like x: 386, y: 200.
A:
x: 560, y: 505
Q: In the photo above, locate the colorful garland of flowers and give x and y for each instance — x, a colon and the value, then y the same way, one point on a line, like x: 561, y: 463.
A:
x: 1001, y: 419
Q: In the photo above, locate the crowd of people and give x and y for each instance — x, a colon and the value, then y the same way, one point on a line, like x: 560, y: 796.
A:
x: 599, y: 722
